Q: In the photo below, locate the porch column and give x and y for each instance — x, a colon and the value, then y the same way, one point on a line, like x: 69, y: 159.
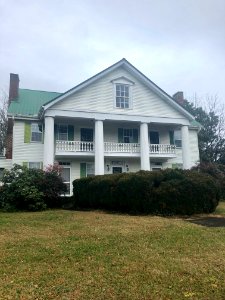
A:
x: 186, y: 154
x: 99, y: 148
x: 49, y: 142
x: 145, y: 162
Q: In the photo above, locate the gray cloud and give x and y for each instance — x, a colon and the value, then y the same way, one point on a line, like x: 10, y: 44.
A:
x: 54, y: 45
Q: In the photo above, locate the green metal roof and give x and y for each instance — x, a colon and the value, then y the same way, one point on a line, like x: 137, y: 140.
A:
x: 195, y: 123
x: 29, y: 102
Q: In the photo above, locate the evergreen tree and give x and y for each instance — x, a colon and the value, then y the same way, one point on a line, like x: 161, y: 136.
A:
x: 211, y: 135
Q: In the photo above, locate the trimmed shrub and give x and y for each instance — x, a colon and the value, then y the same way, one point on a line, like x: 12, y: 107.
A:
x: 31, y: 189
x: 164, y: 192
x: 217, y: 171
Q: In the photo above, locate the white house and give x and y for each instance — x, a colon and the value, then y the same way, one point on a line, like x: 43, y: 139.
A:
x: 116, y: 121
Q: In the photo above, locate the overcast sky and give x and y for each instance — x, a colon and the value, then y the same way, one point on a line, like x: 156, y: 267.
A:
x: 54, y: 45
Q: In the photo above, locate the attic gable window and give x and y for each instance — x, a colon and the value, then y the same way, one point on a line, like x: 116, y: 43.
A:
x: 122, y: 96
x: 123, y: 88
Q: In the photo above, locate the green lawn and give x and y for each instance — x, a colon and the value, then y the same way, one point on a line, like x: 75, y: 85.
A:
x: 61, y: 254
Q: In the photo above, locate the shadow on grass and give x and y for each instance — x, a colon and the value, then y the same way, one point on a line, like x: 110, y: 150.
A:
x: 213, y: 221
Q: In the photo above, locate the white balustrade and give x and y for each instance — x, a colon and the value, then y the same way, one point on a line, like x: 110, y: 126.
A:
x: 162, y: 149
x: 74, y: 146
x: 122, y: 147
x: 79, y: 146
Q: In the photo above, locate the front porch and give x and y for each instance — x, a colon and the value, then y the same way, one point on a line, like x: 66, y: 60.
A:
x: 77, y: 137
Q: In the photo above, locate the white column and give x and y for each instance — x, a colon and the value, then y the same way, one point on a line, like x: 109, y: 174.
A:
x: 145, y: 162
x: 99, y: 148
x: 186, y: 154
x: 49, y: 142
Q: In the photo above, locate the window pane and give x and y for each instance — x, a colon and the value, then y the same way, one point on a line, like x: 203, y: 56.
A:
x: 67, y: 189
x: 90, y: 170
x: 63, y: 132
x: 122, y: 96
x: 34, y: 165
x: 63, y: 136
x: 178, y: 143
x: 36, y: 132
x: 36, y: 137
x: 65, y: 174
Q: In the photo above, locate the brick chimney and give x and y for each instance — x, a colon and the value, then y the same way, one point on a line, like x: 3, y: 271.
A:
x: 13, y: 93
x: 179, y: 97
x: 13, y: 86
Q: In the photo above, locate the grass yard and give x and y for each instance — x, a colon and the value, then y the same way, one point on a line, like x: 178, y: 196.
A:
x: 61, y: 254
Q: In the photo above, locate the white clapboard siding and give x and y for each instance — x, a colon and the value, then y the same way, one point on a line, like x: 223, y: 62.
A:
x: 177, y: 160
x: 25, y: 152
x: 193, y: 139
x: 99, y: 97
x: 5, y: 163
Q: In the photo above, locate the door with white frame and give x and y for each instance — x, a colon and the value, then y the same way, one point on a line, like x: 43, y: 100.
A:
x: 66, y: 176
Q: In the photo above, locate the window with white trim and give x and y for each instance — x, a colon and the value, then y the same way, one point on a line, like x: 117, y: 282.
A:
x: 65, y: 173
x: 122, y: 96
x: 36, y: 132
x: 128, y: 135
x: 62, y: 132
x: 34, y: 165
x: 177, y: 138
x: 90, y: 169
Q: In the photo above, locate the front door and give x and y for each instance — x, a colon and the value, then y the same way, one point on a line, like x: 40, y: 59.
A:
x: 117, y: 170
x: 154, y: 137
x: 86, y: 136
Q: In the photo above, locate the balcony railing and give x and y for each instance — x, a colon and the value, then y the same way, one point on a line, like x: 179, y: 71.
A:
x: 162, y: 149
x: 74, y: 146
x: 110, y: 147
x: 122, y: 147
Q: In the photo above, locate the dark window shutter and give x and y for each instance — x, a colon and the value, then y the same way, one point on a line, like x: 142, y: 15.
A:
x: 56, y: 131
x: 27, y: 132
x: 171, y: 137
x: 83, y: 170
x: 135, y: 135
x: 120, y: 135
x: 70, y: 133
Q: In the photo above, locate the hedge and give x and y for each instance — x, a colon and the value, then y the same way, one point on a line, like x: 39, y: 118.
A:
x: 163, y: 192
x: 217, y: 171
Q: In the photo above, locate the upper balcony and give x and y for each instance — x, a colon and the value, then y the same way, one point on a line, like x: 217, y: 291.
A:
x: 79, y: 148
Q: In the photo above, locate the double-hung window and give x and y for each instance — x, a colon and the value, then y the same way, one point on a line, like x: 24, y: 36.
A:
x: 66, y: 174
x: 62, y: 132
x: 36, y: 132
x: 175, y: 138
x: 122, y: 96
x: 127, y: 135
x: 87, y: 169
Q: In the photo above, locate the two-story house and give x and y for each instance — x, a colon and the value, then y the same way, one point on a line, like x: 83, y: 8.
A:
x: 116, y: 121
